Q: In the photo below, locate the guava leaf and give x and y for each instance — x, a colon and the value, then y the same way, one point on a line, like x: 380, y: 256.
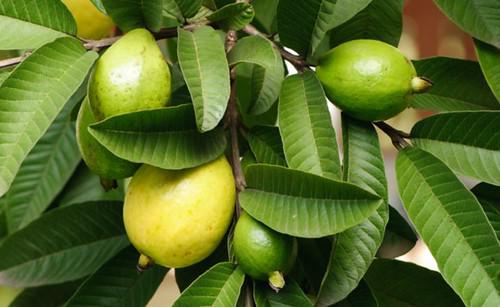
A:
x: 234, y: 16
x: 487, y: 195
x: 204, y: 66
x: 265, y: 15
x: 312, y: 259
x: 480, y: 18
x: 165, y: 138
x: 290, y: 296
x: 489, y: 58
x: 4, y: 73
x: 219, y: 286
x: 64, y: 244
x: 452, y: 223
x: 46, y: 296
x: 468, y: 142
x: 305, y: 126
x: 265, y: 143
x: 410, y: 285
x: 32, y: 96
x: 362, y: 296
x: 267, y: 80
x: 459, y: 85
x: 354, y: 249
x: 131, y: 14
x: 52, y: 14
x: 303, y: 204
x: 381, y: 20
x: 119, y: 283
x: 45, y: 170
x: 399, y: 237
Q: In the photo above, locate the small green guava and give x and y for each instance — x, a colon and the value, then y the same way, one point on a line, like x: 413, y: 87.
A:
x: 131, y: 75
x: 100, y: 160
x: 263, y: 253
x: 369, y: 79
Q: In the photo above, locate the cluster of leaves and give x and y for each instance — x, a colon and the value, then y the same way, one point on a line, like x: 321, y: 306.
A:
x: 63, y: 239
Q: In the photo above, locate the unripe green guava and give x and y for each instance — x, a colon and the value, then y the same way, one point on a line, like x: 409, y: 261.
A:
x: 131, y: 75
x: 368, y: 79
x: 100, y: 160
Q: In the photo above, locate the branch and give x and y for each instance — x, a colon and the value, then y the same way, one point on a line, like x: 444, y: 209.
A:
x: 397, y: 136
x: 298, y: 62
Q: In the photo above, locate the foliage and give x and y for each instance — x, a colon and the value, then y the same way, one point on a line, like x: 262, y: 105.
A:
x: 62, y: 236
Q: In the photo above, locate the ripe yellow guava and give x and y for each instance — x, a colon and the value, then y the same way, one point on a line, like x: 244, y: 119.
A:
x: 91, y: 23
x: 131, y: 75
x: 177, y: 218
x: 368, y: 79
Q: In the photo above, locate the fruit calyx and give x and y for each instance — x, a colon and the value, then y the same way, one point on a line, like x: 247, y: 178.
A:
x: 276, y: 281
x: 144, y: 263
x: 420, y: 84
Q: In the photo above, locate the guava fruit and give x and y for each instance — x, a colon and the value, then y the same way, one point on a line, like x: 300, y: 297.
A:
x: 131, y: 75
x: 91, y: 23
x: 100, y: 160
x: 368, y: 79
x: 263, y: 253
x: 177, y: 218
x: 7, y: 295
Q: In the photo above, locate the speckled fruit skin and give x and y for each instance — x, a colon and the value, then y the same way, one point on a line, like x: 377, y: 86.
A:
x: 178, y: 217
x: 368, y: 79
x: 91, y: 23
x: 260, y: 250
x: 100, y: 160
x: 131, y: 75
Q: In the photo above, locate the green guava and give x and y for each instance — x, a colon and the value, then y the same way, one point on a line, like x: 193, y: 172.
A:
x: 131, y: 75
x: 263, y: 253
x: 368, y: 79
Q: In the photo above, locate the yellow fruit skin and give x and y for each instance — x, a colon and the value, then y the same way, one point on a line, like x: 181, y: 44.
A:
x: 178, y: 217
x: 91, y: 23
x: 7, y: 295
x: 131, y: 75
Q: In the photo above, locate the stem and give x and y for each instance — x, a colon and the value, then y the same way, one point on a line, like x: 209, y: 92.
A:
x: 397, y: 136
x: 298, y: 62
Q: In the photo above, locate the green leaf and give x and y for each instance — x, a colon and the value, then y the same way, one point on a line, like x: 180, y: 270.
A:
x: 468, y: 142
x: 306, y: 128
x: 312, y: 261
x: 333, y: 15
x: 458, y: 85
x: 188, y: 8
x: 265, y: 143
x: 19, y: 35
x: 119, y: 283
x: 290, y: 296
x: 64, y: 244
x: 362, y: 296
x: 166, y: 138
x: 302, y: 204
x: 204, y: 66
x: 131, y: 14
x: 480, y: 18
x: 354, y: 249
x: 489, y: 58
x: 44, y: 172
x: 381, y: 20
x: 488, y: 196
x: 234, y: 16
x: 399, y: 237
x: 219, y: 286
x: 4, y: 73
x: 85, y: 186
x: 265, y: 15
x: 98, y: 4
x: 46, y: 296
x: 51, y: 14
x: 33, y: 95
x: 267, y: 77
x: 453, y: 225
x: 400, y: 284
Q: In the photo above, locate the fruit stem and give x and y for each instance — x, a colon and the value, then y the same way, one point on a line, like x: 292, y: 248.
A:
x: 397, y: 136
x: 276, y: 281
x: 144, y: 263
x: 420, y: 84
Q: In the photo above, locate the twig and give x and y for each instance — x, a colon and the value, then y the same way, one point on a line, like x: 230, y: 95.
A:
x: 397, y: 136
x: 298, y: 62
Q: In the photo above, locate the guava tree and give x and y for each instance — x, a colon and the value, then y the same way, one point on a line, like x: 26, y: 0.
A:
x: 315, y: 224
